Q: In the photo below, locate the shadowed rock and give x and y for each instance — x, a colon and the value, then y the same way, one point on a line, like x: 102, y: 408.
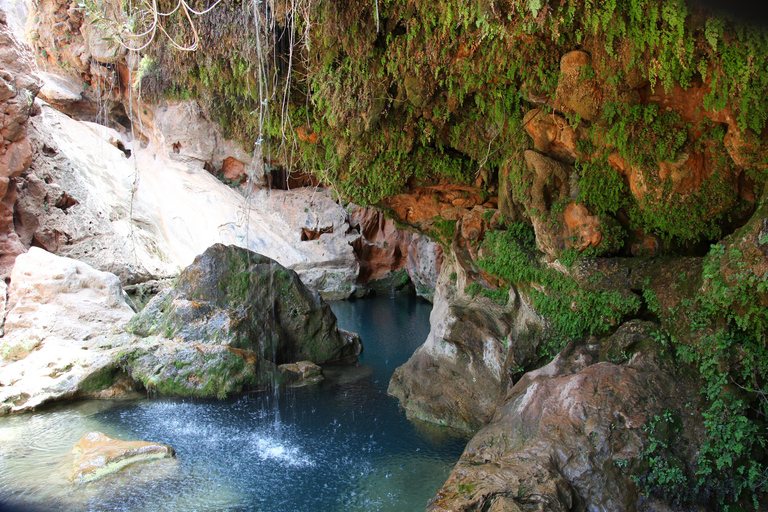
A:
x: 571, y: 435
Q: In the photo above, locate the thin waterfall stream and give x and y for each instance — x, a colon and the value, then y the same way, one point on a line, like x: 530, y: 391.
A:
x: 343, y: 445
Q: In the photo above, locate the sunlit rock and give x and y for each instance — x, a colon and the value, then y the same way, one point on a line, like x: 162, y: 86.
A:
x: 141, y: 216
x: 98, y: 455
x: 60, y: 330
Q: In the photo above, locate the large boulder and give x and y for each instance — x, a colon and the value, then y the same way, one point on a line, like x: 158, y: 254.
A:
x: 61, y: 330
x: 232, y: 316
x: 571, y: 434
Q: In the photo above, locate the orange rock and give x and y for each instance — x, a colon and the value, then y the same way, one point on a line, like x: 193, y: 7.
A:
x: 472, y: 225
x: 644, y: 244
x: 688, y: 103
x: 97, y: 455
x: 422, y: 204
x: 746, y: 148
x: 305, y: 134
x: 552, y: 134
x: 583, y: 227
x: 233, y: 169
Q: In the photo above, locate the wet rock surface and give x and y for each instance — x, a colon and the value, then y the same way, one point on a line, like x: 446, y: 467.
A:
x: 232, y: 316
x: 98, y: 455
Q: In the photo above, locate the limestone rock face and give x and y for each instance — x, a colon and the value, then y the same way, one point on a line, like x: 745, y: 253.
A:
x: 383, y: 249
x: 142, y: 216
x: 59, y: 330
x: 18, y: 87
x: 181, y: 130
x: 570, y: 435
x: 425, y: 258
x: 460, y: 374
x: 231, y: 317
x: 76, y: 201
x: 98, y: 455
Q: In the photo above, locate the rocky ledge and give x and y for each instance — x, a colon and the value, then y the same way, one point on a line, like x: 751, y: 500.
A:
x: 231, y: 319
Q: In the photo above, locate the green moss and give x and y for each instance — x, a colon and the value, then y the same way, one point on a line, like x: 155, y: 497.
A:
x: 572, y: 310
x: 97, y: 381
x: 442, y: 231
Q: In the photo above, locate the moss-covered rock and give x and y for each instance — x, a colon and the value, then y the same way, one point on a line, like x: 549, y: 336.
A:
x: 231, y: 318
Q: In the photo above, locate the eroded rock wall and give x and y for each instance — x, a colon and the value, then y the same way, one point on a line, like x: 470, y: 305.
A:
x: 18, y: 88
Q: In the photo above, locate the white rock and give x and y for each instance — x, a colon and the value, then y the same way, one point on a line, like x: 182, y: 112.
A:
x: 60, y: 89
x: 63, y: 317
x: 178, y: 210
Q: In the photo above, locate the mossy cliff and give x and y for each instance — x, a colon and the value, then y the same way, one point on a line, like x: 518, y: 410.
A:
x: 586, y: 164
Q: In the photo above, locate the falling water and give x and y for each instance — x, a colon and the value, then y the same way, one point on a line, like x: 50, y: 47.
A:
x: 341, y: 446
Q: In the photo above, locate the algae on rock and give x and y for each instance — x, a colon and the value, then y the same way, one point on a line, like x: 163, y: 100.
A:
x: 231, y: 318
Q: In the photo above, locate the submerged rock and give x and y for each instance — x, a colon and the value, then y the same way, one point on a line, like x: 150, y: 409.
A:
x: 98, y: 455
x: 231, y: 318
x: 307, y: 371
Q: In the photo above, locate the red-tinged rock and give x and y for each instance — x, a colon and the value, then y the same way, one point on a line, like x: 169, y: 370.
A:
x: 233, y: 169
x: 584, y: 228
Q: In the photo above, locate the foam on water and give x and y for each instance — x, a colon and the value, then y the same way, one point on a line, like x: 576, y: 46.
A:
x: 339, y: 447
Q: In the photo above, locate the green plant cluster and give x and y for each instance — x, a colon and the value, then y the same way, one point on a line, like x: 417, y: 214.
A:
x: 401, y: 93
x: 571, y: 309
x: 726, y: 347
x: 442, y: 231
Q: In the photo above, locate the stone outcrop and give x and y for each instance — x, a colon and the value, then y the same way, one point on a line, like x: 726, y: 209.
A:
x: 461, y: 373
x: 383, y: 249
x: 425, y: 259
x: 231, y: 318
x: 98, y: 455
x: 18, y: 88
x: 307, y: 371
x: 85, y: 198
x: 570, y: 434
x: 60, y: 331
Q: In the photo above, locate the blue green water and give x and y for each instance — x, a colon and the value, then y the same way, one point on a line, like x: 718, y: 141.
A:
x: 341, y: 446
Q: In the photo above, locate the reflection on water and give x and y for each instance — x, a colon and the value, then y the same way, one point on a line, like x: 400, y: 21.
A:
x: 340, y: 446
